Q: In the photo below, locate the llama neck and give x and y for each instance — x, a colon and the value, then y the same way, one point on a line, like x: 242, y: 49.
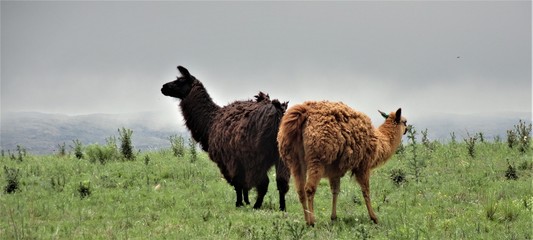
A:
x: 198, y: 110
x: 388, y: 140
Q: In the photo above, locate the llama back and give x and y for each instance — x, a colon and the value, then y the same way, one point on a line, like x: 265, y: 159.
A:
x: 347, y: 135
x: 330, y: 131
x: 254, y: 123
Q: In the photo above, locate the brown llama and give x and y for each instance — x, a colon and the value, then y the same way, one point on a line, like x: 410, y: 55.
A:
x: 240, y: 137
x: 326, y: 139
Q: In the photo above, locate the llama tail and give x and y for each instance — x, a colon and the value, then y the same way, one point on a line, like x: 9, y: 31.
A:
x: 290, y: 142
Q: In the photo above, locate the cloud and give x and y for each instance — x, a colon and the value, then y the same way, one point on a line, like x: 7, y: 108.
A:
x: 84, y: 57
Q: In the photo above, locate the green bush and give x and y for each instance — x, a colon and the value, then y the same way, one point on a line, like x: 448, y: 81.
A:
x: 415, y: 162
x: 126, y: 148
x: 78, y: 149
x: 12, y: 178
x: 192, y: 149
x: 84, y: 189
x: 397, y: 176
x: 510, y: 173
x: 177, y: 145
x: 62, y: 150
x: 511, y: 138
x: 471, y: 145
x: 102, y: 154
x: 523, y: 131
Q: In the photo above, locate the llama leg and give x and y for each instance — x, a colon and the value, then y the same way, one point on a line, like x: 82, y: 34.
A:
x: 262, y: 189
x: 364, y: 182
x: 283, y: 188
x: 245, y: 196
x: 238, y: 191
x: 335, y: 184
x: 282, y: 181
x: 314, y: 174
x: 299, y: 182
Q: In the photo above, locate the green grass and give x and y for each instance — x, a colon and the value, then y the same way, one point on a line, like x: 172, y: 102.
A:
x: 456, y: 197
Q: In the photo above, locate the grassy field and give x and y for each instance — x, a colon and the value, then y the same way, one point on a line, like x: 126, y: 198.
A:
x: 429, y: 191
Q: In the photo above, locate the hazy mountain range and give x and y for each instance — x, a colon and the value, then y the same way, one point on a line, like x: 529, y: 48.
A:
x: 41, y: 133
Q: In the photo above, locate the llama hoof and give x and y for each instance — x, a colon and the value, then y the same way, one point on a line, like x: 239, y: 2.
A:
x: 375, y: 220
x: 333, y: 218
x: 239, y: 204
x: 257, y: 206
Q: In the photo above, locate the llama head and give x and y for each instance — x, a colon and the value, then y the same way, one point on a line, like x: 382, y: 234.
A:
x: 181, y: 87
x: 280, y: 105
x: 284, y: 106
x: 396, y: 119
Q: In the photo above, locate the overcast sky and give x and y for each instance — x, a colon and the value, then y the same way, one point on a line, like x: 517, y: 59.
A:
x: 112, y: 57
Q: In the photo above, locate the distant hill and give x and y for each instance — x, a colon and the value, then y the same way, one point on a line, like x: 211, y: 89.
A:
x: 41, y: 133
x: 491, y: 125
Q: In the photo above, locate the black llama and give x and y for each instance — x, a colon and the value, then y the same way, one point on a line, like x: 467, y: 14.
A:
x: 240, y: 137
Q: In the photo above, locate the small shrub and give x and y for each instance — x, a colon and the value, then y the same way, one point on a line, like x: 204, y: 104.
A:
x: 62, y: 151
x: 126, y: 147
x: 207, y: 215
x: 102, y: 154
x: 526, y: 165
x: 108, y: 182
x: 510, y: 173
x: 490, y: 211
x: 84, y: 189
x: 11, y: 155
x: 481, y: 137
x: 78, y: 149
x: 511, y: 138
x: 528, y: 203
x: 453, y: 140
x: 398, y: 176
x: 192, y: 149
x: 415, y: 163
x: 296, y: 230
x: 12, y: 178
x: 523, y: 132
x: 111, y: 142
x: 21, y: 153
x: 146, y: 160
x: 362, y: 232
x: 471, y: 145
x: 510, y: 212
x: 58, y: 183
x: 425, y: 140
x: 178, y: 145
x: 356, y: 200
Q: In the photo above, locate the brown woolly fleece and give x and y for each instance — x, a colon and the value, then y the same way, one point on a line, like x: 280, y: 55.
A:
x: 327, y: 139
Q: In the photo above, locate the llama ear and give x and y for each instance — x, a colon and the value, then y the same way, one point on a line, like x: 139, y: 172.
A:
x: 184, y: 72
x: 384, y: 115
x: 398, y: 117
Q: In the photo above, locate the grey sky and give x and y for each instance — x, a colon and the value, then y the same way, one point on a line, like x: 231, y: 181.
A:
x: 113, y: 57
